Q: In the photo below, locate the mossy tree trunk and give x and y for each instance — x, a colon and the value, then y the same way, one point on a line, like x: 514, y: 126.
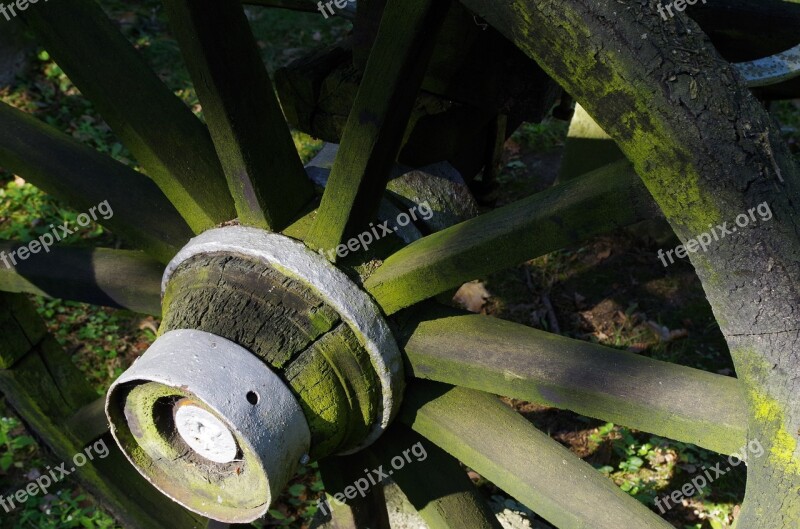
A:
x: 708, y: 152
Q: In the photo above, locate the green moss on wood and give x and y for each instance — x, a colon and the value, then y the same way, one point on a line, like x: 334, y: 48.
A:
x: 505, y: 358
x: 269, y: 185
x: 225, y: 490
x: 177, y: 153
x: 603, y: 200
x: 282, y: 321
x: 44, y: 388
x: 502, y: 446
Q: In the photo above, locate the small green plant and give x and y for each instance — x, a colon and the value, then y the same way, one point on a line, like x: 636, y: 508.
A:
x: 15, y: 447
x: 542, y: 137
x: 63, y: 510
x: 297, y: 506
x: 641, y: 467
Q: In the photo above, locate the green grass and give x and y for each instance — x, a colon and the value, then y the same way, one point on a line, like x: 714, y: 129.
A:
x: 63, y: 507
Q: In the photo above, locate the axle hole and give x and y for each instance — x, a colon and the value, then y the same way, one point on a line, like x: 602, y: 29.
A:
x: 252, y: 397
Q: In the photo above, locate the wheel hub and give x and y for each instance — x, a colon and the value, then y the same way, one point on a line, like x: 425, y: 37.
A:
x: 267, y: 353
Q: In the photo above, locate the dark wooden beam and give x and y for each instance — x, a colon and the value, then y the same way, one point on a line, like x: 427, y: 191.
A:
x: 600, y: 201
x: 264, y: 172
x: 100, y: 276
x: 170, y: 142
x: 513, y: 360
x: 84, y: 178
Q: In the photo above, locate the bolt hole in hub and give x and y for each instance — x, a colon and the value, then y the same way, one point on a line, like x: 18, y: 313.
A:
x: 252, y: 397
x: 267, y: 354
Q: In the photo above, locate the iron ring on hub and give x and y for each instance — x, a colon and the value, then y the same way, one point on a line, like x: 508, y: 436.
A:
x: 355, y: 306
x: 221, y: 453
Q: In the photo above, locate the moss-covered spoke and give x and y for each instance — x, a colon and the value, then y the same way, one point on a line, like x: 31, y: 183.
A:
x: 366, y: 510
x: 513, y: 360
x: 597, y: 202
x: 708, y: 151
x: 112, y: 278
x: 433, y: 481
x: 177, y: 153
x: 264, y: 172
x: 502, y: 446
x: 44, y: 387
x: 377, y: 122
x: 84, y: 178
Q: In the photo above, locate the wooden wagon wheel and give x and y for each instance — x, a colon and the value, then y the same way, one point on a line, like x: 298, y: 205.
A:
x: 319, y: 332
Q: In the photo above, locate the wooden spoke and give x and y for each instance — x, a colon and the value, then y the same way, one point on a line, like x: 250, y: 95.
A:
x: 161, y: 132
x: 709, y: 152
x: 498, y: 443
x: 89, y: 422
x: 377, y: 122
x: 509, y: 359
x: 43, y: 386
x: 113, y: 278
x: 587, y: 147
x: 597, y: 202
x: 436, y: 485
x: 264, y: 172
x: 84, y: 178
x: 357, y: 512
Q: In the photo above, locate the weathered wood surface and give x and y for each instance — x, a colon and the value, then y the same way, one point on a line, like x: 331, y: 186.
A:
x: 84, y: 178
x: 100, y: 276
x: 587, y: 148
x: 377, y: 123
x: 44, y: 388
x: 609, y: 198
x: 264, y: 172
x: 366, y: 511
x: 474, y: 75
x: 708, y: 151
x: 498, y: 443
x: 513, y: 360
x: 21, y: 329
x: 162, y: 133
x: 303, y: 339
x: 318, y: 92
x: 472, y: 64
x: 437, y: 486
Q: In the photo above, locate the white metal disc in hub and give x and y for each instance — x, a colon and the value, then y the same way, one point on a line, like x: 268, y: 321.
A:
x: 205, y: 433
